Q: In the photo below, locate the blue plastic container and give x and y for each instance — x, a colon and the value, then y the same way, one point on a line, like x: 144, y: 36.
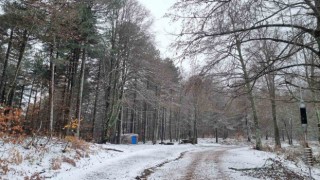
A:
x: 134, y: 139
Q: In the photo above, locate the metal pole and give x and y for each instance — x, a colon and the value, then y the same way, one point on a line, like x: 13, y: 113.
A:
x: 307, y: 149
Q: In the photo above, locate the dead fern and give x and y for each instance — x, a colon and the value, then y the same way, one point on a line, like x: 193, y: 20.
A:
x: 69, y: 161
x: 4, y: 166
x: 56, y: 164
x: 76, y: 143
x: 16, y: 157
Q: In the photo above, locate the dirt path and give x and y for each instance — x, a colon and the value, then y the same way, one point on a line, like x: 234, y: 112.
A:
x: 209, y: 160
x: 204, y: 164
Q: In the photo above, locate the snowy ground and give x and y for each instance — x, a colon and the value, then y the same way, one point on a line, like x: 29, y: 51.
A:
x: 206, y: 160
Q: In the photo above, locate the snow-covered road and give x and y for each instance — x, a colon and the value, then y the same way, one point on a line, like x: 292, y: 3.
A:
x: 131, y: 165
x: 161, y: 161
x: 128, y: 164
x: 174, y: 162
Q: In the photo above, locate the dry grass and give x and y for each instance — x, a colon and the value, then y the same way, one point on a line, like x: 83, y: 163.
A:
x: 56, y: 164
x: 35, y: 176
x: 69, y: 161
x: 76, y: 143
x: 267, y: 148
x: 293, y: 154
x: 15, y: 157
x: 4, y: 166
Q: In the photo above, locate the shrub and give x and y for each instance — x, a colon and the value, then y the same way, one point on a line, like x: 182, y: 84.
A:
x: 11, y: 124
x: 72, y: 125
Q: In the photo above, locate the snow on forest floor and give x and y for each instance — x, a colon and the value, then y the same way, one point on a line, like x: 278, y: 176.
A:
x: 231, y: 159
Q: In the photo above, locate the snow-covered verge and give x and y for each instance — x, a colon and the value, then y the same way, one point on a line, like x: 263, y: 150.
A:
x: 43, y: 158
x: 245, y: 162
x: 288, y: 161
x: 107, y: 161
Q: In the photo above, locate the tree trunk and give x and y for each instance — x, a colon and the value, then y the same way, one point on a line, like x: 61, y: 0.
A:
x: 73, y: 64
x: 189, y: 124
x: 216, y: 132
x: 28, y: 106
x: 162, y: 125
x: 40, y: 103
x: 275, y: 123
x: 155, y: 126
x: 133, y: 107
x: 96, y: 101
x: 12, y: 86
x: 248, y: 129
x: 270, y: 77
x: 4, y: 70
x: 144, y: 135
x: 179, y: 114
x: 170, y: 124
x: 63, y: 118
x: 34, y: 122
x: 195, y: 126
x: 21, y: 96
x: 83, y: 63
x: 51, y: 89
x: 312, y: 84
x: 119, y: 125
x: 290, y: 132
x: 121, y: 89
x: 250, y: 97
x: 156, y: 116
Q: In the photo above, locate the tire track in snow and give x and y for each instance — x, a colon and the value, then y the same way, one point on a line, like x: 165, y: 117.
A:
x: 147, y: 172
x: 204, y: 163
x: 128, y: 166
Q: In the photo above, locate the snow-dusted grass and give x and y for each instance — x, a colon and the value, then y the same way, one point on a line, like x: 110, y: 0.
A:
x: 45, y: 160
x: 291, y: 156
x: 102, y: 162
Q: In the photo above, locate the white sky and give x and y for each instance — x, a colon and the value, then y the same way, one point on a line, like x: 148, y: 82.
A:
x: 162, y: 26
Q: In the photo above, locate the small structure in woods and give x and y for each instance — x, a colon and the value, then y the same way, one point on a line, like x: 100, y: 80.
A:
x: 129, y: 138
x: 186, y: 141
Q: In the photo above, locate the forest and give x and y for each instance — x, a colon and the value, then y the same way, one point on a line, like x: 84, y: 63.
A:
x: 91, y: 69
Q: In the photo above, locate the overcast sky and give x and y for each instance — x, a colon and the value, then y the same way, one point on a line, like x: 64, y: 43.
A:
x: 162, y: 26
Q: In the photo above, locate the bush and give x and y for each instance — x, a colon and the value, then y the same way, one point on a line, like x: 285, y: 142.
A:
x: 11, y: 123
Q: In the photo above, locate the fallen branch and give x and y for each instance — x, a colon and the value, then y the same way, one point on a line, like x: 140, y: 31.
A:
x: 65, y: 147
x: 272, y: 169
x: 247, y: 169
x: 111, y: 149
x: 149, y: 171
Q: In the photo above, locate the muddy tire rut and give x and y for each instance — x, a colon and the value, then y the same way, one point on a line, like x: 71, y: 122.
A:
x: 205, y: 161
x: 205, y: 165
